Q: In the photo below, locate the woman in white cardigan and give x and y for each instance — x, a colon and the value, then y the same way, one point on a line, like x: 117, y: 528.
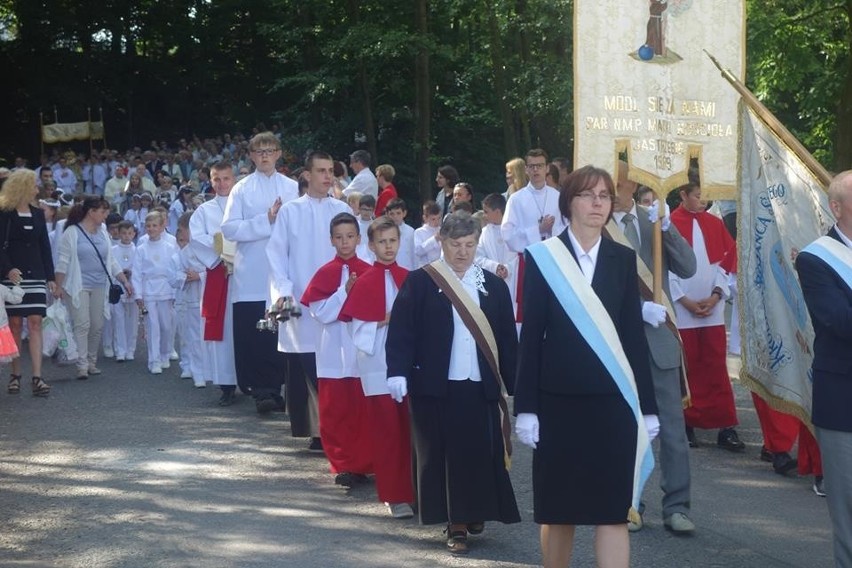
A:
x: 85, y: 254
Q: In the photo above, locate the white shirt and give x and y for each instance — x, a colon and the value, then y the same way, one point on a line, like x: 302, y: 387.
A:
x: 587, y: 260
x: 492, y: 252
x: 707, y: 276
x: 464, y: 363
x: 524, y: 210
x: 152, y: 270
x: 369, y: 340
x: 164, y: 236
x: 205, y: 222
x: 405, y: 256
x: 363, y: 251
x: 114, y: 189
x: 246, y: 222
x: 65, y: 179
x: 426, y: 247
x: 124, y: 255
x: 364, y: 183
x: 336, y: 353
x: 187, y: 294
x: 298, y: 246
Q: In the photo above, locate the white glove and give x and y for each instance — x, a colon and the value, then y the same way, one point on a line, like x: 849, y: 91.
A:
x: 526, y: 427
x: 398, y: 388
x: 653, y: 314
x: 652, y: 425
x: 666, y: 221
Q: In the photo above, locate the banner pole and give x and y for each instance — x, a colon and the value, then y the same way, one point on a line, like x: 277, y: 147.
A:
x: 775, y: 125
x: 91, y: 142
x: 41, y: 132
x: 103, y: 128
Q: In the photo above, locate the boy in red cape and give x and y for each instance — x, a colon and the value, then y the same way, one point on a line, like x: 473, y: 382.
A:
x: 368, y: 308
x: 342, y: 407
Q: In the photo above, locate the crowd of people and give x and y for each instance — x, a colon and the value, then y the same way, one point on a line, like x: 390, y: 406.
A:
x: 394, y: 349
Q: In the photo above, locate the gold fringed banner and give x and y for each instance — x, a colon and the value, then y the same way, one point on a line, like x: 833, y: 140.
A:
x: 68, y: 131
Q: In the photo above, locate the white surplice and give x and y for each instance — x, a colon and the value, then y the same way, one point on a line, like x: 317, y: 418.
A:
x: 492, y: 252
x: 369, y: 340
x: 524, y: 210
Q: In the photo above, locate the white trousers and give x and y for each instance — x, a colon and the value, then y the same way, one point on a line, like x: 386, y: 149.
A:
x: 125, y: 325
x: 191, y: 345
x: 159, y: 330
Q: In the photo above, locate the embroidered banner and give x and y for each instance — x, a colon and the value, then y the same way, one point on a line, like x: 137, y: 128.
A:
x: 644, y: 87
x: 782, y: 208
x: 68, y: 131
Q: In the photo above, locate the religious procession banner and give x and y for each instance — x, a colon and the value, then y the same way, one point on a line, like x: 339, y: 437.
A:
x: 782, y: 208
x: 68, y: 131
x: 644, y: 90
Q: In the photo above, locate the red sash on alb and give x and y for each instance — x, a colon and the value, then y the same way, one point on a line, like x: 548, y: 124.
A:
x: 213, y: 302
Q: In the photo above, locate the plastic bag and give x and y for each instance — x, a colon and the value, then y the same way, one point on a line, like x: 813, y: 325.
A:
x: 58, y: 335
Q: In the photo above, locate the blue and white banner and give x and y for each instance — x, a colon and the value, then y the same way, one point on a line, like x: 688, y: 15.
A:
x: 782, y: 208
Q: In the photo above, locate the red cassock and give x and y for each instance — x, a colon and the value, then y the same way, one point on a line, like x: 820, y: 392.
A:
x: 344, y: 425
x: 779, y: 434
x: 389, y: 423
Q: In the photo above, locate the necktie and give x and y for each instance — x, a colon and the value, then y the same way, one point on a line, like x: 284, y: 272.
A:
x: 630, y: 230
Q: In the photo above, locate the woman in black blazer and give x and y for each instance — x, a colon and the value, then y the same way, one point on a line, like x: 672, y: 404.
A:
x: 25, y: 260
x: 569, y: 406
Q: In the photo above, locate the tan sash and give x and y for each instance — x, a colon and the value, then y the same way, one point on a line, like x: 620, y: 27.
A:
x: 477, y: 324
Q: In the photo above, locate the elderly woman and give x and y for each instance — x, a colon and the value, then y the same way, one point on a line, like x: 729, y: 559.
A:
x: 84, y: 272
x: 25, y: 260
x: 586, y: 381
x: 454, y: 391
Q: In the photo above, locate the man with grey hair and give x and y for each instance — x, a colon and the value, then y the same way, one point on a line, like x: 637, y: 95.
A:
x: 364, y: 181
x: 454, y: 386
x: 825, y: 271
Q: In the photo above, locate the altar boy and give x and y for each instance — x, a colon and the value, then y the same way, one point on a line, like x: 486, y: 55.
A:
x: 342, y: 407
x: 368, y: 309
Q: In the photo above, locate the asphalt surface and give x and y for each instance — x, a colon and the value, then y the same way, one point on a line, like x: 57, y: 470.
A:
x: 130, y: 469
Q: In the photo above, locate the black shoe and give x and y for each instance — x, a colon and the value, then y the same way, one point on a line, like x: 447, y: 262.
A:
x: 729, y: 440
x: 280, y: 406
x: 783, y: 464
x: 344, y: 479
x: 766, y: 455
x: 265, y: 405
x: 819, y: 487
x: 690, y: 436
x: 315, y: 445
x: 228, y: 397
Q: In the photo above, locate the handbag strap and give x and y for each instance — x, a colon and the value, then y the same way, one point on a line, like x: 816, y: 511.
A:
x: 97, y: 252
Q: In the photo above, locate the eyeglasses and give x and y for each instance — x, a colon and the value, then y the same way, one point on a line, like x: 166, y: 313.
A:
x: 591, y: 196
x: 265, y: 151
x: 536, y: 166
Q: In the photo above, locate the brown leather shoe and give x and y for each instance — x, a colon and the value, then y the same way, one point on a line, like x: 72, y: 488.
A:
x: 457, y: 541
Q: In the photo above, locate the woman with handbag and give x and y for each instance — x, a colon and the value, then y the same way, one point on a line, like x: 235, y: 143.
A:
x: 25, y: 261
x: 86, y: 273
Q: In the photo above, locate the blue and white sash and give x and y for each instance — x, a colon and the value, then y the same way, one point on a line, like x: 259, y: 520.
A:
x: 582, y: 305
x: 835, y: 254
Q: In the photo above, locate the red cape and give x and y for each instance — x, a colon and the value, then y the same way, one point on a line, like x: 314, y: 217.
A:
x: 388, y: 193
x: 366, y: 299
x: 720, y: 246
x: 326, y: 281
x: 213, y: 302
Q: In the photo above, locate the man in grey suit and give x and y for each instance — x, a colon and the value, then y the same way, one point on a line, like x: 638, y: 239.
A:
x: 665, y: 352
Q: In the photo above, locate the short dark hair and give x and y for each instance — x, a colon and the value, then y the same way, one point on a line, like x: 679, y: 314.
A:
x: 344, y: 219
x: 78, y: 210
x: 450, y: 173
x: 494, y: 201
x: 431, y: 208
x: 126, y: 225
x: 367, y: 201
x: 536, y: 153
x: 396, y: 203
x: 563, y: 163
x: 362, y: 157
x: 381, y: 224
x: 688, y: 188
x: 581, y: 180
x: 222, y: 165
x: 309, y: 161
x: 466, y: 186
x: 183, y: 220
x: 113, y: 219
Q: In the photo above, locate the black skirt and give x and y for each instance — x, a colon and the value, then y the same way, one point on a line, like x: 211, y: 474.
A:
x: 460, y: 471
x: 583, y: 465
x: 34, y: 302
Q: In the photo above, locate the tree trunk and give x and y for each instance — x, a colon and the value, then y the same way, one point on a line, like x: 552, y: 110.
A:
x: 364, y: 88
x: 422, y: 102
x: 510, y: 145
x: 523, y: 114
x: 843, y: 140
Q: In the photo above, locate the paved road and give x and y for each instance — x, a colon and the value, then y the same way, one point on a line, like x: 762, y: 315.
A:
x: 134, y: 470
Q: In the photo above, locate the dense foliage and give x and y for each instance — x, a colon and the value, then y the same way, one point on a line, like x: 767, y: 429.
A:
x: 417, y: 82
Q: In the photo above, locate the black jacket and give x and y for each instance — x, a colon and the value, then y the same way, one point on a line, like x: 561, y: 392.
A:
x: 829, y: 301
x: 553, y: 357
x: 420, y: 336
x: 28, y: 249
